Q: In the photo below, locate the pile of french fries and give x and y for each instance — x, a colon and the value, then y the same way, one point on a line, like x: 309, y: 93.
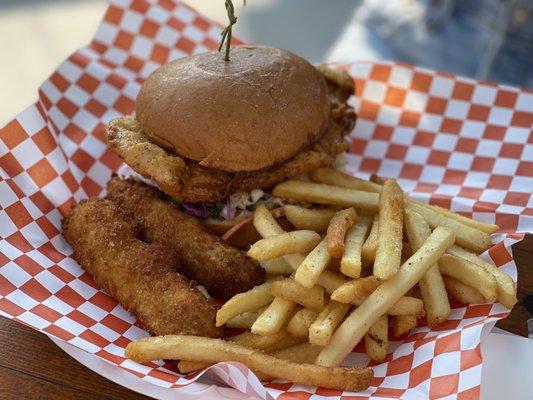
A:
x: 363, y: 256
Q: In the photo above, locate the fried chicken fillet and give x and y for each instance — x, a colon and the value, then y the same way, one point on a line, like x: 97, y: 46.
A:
x: 142, y: 277
x: 222, y: 269
x: 191, y: 182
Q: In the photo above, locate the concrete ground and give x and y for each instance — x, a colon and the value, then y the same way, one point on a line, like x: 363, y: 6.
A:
x: 36, y: 35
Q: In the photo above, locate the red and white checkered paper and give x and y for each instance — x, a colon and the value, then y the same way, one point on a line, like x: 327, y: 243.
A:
x: 459, y: 143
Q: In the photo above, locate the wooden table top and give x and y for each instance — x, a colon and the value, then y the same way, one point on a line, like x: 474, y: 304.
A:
x: 33, y: 367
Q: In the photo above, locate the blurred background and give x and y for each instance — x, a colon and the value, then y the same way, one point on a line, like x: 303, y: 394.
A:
x: 485, y: 39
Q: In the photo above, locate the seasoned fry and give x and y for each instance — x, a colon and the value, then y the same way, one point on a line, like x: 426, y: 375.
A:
x: 482, y: 226
x: 276, y: 266
x: 404, y: 323
x: 377, y: 339
x: 465, y: 236
x: 432, y: 288
x: 272, y: 343
x: 356, y: 290
x: 461, y: 292
x: 322, y: 328
x: 303, y: 353
x: 337, y: 178
x: 338, y: 226
x: 312, y: 266
x: 299, y: 324
x: 368, y: 251
x: 330, y: 281
x: 333, y: 177
x: 273, y: 319
x: 265, y: 224
x: 389, y: 248
x: 268, y: 343
x: 366, y: 202
x: 351, y: 259
x: 407, y: 305
x: 282, y: 244
x: 194, y: 348
x: 506, y: 285
x: 251, y: 300
x: 350, y: 332
x: 314, y: 219
x: 245, y: 320
x: 289, y: 289
x: 470, y: 274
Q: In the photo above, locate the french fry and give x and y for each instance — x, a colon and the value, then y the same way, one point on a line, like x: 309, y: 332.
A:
x: 470, y: 274
x: 377, y: 339
x: 330, y: 281
x: 355, y: 326
x: 506, y: 285
x: 194, y: 348
x: 356, y: 290
x: 407, y: 305
x: 482, y: 226
x: 268, y: 343
x: 338, y: 226
x: 289, y: 289
x: 272, y: 343
x: 245, y: 320
x: 265, y: 224
x: 314, y: 219
x: 318, y: 193
x: 303, y: 353
x: 274, y: 318
x: 333, y: 177
x: 389, y: 247
x: 351, y: 259
x: 461, y: 292
x: 368, y: 251
x: 337, y: 178
x: 283, y: 244
x: 276, y: 266
x: 322, y: 328
x: 432, y: 288
x: 299, y: 324
x: 404, y: 323
x: 251, y: 300
x: 312, y: 266
x: 465, y: 236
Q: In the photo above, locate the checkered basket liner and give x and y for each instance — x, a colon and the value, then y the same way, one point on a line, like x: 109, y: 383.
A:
x: 451, y: 141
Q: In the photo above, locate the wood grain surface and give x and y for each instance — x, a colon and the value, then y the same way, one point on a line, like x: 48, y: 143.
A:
x: 33, y: 367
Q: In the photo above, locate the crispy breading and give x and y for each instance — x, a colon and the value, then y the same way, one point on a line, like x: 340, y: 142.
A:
x: 221, y: 268
x: 191, y: 182
x: 143, y: 277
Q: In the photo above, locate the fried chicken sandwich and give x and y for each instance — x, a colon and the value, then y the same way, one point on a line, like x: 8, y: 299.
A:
x: 216, y: 135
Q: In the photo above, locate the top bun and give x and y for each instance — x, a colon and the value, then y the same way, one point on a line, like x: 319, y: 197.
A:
x: 262, y: 107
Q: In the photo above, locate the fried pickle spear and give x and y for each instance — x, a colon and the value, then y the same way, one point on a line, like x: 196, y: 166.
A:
x: 224, y: 270
x: 142, y: 277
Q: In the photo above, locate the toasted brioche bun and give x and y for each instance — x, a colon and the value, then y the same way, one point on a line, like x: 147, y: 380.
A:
x: 262, y: 107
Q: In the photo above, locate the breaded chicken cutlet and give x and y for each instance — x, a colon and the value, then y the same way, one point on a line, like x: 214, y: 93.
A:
x: 143, y: 277
x: 222, y: 269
